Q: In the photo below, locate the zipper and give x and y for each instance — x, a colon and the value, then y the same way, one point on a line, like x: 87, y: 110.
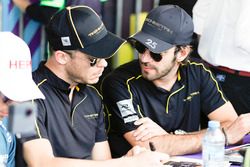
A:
x: 72, y: 116
x: 171, y: 96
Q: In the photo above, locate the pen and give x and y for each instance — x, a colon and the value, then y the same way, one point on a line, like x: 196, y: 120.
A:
x: 151, y: 146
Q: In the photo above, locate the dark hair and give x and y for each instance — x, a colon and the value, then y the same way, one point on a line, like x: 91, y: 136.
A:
x: 50, y: 50
x: 179, y: 48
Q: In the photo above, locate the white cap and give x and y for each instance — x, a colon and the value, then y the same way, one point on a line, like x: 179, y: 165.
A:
x: 16, y: 69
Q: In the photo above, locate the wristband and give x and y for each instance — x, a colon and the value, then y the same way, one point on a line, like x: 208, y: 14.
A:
x: 226, y: 138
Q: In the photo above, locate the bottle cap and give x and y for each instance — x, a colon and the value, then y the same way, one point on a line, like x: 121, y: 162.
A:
x: 213, y: 124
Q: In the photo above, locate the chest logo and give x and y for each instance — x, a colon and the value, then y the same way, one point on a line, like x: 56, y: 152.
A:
x: 91, y: 116
x: 189, y: 98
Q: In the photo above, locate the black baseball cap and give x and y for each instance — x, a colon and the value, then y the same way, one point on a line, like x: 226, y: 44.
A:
x: 165, y: 26
x: 80, y: 28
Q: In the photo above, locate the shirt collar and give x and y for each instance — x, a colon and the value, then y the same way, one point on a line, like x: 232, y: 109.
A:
x: 55, y: 81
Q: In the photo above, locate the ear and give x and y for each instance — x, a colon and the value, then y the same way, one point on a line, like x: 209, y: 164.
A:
x: 183, y: 53
x: 61, y: 57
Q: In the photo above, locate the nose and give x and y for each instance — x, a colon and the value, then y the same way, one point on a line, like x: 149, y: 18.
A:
x: 102, y: 63
x: 145, y: 57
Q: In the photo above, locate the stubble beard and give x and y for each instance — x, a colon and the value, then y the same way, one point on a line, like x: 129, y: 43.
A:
x: 158, y: 74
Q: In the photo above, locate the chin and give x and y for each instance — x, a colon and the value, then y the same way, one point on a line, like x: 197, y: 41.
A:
x: 148, y: 77
x: 93, y: 81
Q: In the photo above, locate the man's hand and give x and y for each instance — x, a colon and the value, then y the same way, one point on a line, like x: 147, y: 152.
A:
x: 146, y: 157
x: 149, y: 159
x: 22, y: 4
x: 147, y: 129
x: 135, y: 150
x: 238, y: 129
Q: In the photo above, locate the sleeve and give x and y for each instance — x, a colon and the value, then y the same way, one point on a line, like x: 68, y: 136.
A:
x: 95, y: 99
x: 100, y: 131
x: 120, y: 103
x: 41, y: 131
x: 41, y: 119
x: 200, y: 13
x: 212, y: 96
x: 40, y: 13
x: 242, y: 34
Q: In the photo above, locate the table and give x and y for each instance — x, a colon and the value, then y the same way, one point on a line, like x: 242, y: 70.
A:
x: 199, y: 155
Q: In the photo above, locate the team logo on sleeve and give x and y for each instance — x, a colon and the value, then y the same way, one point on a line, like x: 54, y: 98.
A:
x: 127, y: 110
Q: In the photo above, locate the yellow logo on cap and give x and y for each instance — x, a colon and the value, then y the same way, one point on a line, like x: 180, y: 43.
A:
x: 159, y: 25
x: 97, y: 30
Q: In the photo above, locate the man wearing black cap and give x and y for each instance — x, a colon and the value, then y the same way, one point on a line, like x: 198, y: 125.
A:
x: 70, y: 124
x: 160, y: 96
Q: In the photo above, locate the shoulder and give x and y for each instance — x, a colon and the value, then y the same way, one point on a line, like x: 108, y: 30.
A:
x: 123, y: 73
x: 195, y: 71
x: 195, y: 65
x: 38, y: 74
x: 93, y: 90
x: 5, y: 135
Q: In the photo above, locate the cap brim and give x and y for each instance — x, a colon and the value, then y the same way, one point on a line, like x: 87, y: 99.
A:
x: 155, y: 45
x: 104, y: 48
x: 21, y: 90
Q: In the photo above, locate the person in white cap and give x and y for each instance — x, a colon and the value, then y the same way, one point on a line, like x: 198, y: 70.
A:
x: 16, y: 85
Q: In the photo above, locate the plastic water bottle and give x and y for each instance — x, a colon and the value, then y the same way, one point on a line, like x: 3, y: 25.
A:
x: 213, y: 146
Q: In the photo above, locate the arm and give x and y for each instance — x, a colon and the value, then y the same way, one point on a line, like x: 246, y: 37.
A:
x: 147, y: 129
x: 179, y: 144
x: 39, y: 153
x: 236, y: 128
x: 22, y: 4
x: 170, y: 143
x: 35, y: 11
x: 225, y: 114
x: 173, y: 144
x: 101, y: 151
x: 163, y: 141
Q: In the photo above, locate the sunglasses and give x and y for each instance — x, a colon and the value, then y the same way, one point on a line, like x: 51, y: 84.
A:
x: 93, y: 61
x: 142, y: 49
